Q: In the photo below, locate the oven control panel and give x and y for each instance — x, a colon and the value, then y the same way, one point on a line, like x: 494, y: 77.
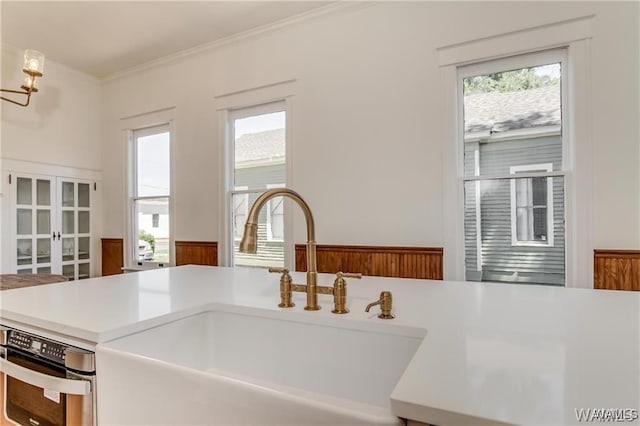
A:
x: 45, y: 348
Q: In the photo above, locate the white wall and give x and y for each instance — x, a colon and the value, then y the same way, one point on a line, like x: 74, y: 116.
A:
x: 367, y: 152
x: 63, y: 123
x: 59, y: 132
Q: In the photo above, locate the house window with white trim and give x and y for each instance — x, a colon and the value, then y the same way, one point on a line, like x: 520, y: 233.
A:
x: 151, y: 195
x: 532, y: 206
x: 514, y: 169
x: 258, y: 147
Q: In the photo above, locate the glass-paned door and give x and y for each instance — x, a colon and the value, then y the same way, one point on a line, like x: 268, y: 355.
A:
x: 74, y: 225
x: 34, y: 235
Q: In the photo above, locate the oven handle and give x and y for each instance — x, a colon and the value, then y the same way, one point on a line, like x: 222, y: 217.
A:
x: 44, y: 381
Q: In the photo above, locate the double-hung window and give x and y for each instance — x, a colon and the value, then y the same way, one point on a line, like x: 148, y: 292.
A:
x: 151, y: 195
x: 513, y: 153
x: 258, y: 151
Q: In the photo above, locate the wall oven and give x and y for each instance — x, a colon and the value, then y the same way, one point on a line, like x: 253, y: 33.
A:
x: 45, y: 382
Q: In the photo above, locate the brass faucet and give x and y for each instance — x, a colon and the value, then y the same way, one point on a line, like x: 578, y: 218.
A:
x: 385, y: 303
x: 339, y: 290
x: 249, y: 244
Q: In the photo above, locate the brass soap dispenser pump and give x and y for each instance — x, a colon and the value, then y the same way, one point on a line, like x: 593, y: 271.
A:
x: 385, y: 302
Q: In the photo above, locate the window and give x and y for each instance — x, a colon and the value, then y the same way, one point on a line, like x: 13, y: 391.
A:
x: 258, y: 148
x: 151, y: 195
x: 514, y: 169
x: 466, y: 59
x: 532, y: 207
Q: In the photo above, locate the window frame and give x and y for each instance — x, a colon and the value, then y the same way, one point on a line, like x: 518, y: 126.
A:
x: 517, y: 170
x: 229, y: 116
x: 225, y: 102
x: 574, y: 35
x: 132, y: 260
x: 507, y: 63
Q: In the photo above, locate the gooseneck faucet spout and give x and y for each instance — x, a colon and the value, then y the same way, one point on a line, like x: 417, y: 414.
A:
x: 249, y: 244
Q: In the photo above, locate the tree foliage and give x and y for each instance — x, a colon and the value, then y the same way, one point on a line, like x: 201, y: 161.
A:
x: 509, y: 81
x: 146, y: 236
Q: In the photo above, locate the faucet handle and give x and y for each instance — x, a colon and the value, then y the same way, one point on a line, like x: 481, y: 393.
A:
x: 341, y: 274
x: 385, y: 302
x: 285, y: 287
x: 340, y: 292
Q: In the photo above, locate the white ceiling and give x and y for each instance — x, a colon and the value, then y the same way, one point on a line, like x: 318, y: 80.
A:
x: 101, y: 38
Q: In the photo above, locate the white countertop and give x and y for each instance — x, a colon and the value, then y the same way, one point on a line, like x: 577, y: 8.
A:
x: 492, y: 353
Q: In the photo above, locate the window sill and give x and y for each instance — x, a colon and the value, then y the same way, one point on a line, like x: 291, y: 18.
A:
x: 530, y: 244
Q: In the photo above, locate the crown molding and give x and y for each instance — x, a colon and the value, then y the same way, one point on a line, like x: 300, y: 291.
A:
x: 331, y: 8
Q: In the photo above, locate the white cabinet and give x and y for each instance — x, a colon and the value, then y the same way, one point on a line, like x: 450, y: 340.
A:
x: 51, y: 225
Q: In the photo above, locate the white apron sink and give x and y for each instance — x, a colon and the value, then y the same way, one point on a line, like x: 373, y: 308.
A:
x: 255, y: 367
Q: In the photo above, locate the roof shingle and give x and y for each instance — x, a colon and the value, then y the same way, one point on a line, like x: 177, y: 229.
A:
x: 499, y: 111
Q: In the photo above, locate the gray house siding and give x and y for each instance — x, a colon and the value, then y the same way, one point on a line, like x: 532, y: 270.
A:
x: 500, y: 259
x: 473, y: 271
x: 255, y: 177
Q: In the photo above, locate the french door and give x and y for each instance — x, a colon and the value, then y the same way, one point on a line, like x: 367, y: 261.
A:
x: 52, y: 225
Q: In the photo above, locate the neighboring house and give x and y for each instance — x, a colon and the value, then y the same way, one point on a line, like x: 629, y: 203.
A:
x: 259, y: 158
x: 514, y: 229
x: 153, y: 218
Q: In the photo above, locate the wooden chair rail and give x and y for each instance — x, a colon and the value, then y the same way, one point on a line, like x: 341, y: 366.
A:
x: 112, y: 256
x: 397, y: 262
x: 616, y: 269
x: 196, y: 253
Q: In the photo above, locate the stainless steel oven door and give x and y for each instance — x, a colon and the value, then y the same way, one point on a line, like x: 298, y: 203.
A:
x: 39, y: 394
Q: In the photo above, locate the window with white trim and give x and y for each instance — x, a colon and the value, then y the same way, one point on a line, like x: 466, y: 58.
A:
x: 151, y: 195
x: 512, y: 154
x: 258, y: 148
x: 532, y: 206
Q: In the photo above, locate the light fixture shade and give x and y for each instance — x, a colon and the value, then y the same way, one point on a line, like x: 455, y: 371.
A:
x: 33, y: 62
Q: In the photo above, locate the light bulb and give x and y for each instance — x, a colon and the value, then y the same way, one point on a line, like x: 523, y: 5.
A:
x: 30, y: 83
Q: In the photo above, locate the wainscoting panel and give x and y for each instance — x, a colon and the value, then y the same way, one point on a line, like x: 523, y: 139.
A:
x: 397, y: 262
x: 112, y: 256
x: 616, y: 269
x: 197, y: 253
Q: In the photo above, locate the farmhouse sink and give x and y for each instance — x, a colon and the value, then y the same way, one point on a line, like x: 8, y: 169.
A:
x: 255, y: 367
